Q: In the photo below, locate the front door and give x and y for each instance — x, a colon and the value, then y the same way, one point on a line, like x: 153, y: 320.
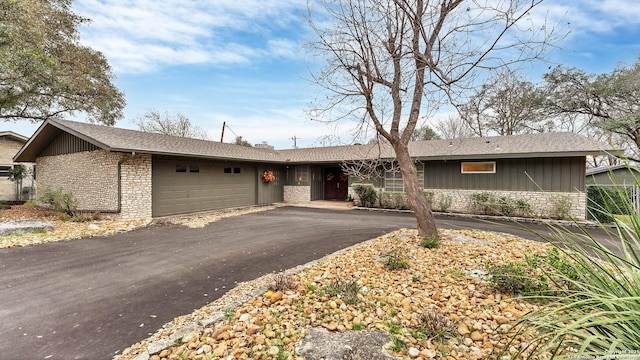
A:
x: 335, y: 184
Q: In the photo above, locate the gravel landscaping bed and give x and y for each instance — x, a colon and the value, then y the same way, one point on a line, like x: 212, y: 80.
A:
x: 440, y: 307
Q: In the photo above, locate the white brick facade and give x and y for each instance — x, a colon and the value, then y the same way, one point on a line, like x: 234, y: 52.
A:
x: 93, y: 179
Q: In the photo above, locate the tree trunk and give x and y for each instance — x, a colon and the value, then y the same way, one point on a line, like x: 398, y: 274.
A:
x: 415, y: 193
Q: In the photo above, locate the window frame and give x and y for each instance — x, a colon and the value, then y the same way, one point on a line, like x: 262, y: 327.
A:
x: 395, y: 177
x: 492, y: 171
x: 4, y: 173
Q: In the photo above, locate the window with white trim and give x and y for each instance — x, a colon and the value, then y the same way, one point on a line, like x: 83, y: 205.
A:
x: 393, y: 179
x: 478, y: 167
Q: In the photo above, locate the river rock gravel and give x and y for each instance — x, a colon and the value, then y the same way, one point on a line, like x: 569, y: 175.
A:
x: 353, y: 290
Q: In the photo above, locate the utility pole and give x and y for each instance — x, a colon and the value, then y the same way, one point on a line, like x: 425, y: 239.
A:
x: 295, y: 141
x: 224, y: 124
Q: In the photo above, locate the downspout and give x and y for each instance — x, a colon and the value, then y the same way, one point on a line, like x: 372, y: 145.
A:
x: 120, y: 162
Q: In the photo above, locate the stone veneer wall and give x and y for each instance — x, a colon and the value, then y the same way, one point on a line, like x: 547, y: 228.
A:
x: 540, y: 202
x: 135, y: 188
x: 92, y: 177
x: 297, y: 194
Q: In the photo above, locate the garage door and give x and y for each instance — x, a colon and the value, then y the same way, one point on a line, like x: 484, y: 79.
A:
x: 181, y: 187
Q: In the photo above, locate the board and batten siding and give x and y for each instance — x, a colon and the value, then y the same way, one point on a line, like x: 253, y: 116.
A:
x: 534, y: 174
x: 66, y: 143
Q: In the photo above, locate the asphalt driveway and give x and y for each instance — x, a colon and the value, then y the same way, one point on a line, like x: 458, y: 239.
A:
x: 91, y: 298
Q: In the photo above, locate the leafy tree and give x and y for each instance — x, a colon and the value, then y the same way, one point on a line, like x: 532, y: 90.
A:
x: 16, y: 174
x: 154, y: 121
x: 389, y: 62
x: 424, y: 133
x: 240, y: 141
x: 609, y: 102
x: 45, y: 71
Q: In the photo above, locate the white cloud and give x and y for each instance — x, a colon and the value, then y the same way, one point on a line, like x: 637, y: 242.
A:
x: 596, y: 16
x: 145, y: 35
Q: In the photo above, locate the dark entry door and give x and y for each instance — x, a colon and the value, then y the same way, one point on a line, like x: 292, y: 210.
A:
x: 335, y: 184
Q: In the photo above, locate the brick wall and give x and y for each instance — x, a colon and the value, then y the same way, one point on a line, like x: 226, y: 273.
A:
x: 297, y: 194
x: 92, y: 177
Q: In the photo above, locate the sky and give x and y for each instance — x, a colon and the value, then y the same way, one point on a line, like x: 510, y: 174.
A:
x: 241, y: 62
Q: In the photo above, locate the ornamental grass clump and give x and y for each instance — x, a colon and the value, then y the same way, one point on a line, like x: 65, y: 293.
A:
x: 594, y: 310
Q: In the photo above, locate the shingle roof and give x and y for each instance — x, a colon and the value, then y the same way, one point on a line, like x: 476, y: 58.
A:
x: 116, y: 139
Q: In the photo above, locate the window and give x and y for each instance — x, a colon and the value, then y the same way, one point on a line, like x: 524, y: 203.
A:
x: 484, y: 167
x: 181, y: 169
x: 393, y: 179
x: 236, y: 170
x: 302, y: 173
x: 194, y: 169
x: 227, y: 170
x: 4, y: 171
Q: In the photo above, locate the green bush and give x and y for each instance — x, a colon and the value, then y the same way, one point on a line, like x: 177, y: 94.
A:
x: 396, y: 258
x: 59, y: 200
x: 605, y: 201
x: 560, y: 207
x: 517, y: 278
x: 393, y: 200
x: 444, y: 202
x: 523, y: 208
x: 366, y: 193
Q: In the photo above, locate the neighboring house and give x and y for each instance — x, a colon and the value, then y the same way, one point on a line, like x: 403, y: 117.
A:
x: 10, y: 143
x: 140, y: 175
x: 622, y: 174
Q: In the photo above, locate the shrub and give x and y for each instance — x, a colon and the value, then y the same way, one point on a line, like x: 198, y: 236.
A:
x: 523, y: 208
x: 560, y: 207
x: 481, y: 202
x: 346, y: 290
x: 428, y: 194
x: 396, y: 258
x: 517, y: 278
x: 605, y: 201
x: 430, y: 242
x: 393, y: 200
x: 282, y: 282
x: 366, y: 194
x: 434, y: 324
x: 60, y: 200
x: 444, y: 202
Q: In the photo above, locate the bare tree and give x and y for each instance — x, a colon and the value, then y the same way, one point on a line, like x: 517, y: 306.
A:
x: 164, y: 123
x: 390, y: 62
x: 505, y: 105
x: 452, y: 128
